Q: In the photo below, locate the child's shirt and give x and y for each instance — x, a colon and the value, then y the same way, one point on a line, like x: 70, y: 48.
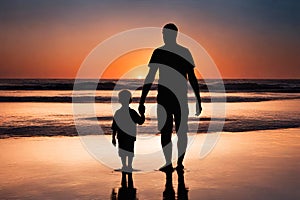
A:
x: 124, y: 122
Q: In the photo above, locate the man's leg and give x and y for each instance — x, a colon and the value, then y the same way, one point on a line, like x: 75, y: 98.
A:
x: 165, y: 125
x: 181, y: 124
x: 181, y: 145
x: 166, y: 144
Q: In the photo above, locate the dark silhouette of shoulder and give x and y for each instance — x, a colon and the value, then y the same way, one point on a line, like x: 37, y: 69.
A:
x: 175, y: 56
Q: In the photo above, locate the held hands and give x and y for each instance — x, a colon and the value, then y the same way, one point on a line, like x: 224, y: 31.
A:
x: 198, y: 108
x: 142, y: 109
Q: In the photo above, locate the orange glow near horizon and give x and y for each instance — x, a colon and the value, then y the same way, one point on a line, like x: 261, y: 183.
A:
x: 127, y: 62
x: 133, y: 65
x: 60, y: 54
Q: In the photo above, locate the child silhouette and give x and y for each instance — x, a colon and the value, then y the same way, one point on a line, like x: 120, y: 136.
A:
x: 124, y: 128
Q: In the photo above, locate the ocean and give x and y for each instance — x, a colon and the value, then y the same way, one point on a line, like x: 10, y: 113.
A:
x: 43, y: 107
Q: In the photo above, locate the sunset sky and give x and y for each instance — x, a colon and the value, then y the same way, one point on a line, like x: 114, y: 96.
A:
x: 245, y: 38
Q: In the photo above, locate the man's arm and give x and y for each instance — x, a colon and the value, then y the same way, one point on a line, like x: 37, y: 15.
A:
x: 113, y: 136
x: 147, y: 86
x: 141, y: 119
x: 113, y: 139
x: 194, y: 83
x: 193, y: 80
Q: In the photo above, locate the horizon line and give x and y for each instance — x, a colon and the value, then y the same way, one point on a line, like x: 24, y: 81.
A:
x: 60, y: 78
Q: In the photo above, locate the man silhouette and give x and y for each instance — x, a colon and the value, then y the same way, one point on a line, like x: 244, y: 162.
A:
x: 175, y: 65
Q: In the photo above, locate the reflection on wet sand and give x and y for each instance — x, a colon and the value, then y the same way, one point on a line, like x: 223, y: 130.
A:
x: 127, y: 190
x: 182, y: 190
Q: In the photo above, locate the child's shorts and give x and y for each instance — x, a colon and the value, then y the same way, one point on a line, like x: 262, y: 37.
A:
x: 126, y: 148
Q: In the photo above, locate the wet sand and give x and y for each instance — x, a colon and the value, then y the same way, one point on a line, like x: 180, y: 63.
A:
x: 250, y: 165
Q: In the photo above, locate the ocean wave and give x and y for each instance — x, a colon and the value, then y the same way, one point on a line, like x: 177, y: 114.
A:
x: 230, y: 125
x: 98, y: 99
x: 49, y: 84
x: 230, y: 85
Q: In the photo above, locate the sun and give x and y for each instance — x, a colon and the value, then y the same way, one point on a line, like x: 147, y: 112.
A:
x: 128, y: 62
x: 133, y: 65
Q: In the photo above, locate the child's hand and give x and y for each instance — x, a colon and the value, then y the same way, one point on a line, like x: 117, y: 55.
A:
x: 198, y: 109
x: 142, y: 109
x: 114, y: 141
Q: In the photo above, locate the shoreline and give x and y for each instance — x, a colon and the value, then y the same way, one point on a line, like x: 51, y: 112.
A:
x: 252, y: 165
x: 6, y: 136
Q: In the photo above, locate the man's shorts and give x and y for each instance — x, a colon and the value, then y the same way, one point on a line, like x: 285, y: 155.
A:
x: 170, y: 110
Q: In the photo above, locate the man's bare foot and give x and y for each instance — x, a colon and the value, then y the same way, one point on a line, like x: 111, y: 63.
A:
x: 167, y: 168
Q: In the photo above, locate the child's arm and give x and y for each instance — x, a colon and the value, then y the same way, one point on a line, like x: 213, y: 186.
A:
x: 113, y: 141
x: 136, y: 117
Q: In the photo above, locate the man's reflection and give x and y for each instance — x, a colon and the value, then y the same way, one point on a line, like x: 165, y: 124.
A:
x: 169, y: 193
x: 182, y: 190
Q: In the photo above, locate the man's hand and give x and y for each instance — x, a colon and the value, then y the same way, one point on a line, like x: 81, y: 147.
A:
x: 114, y: 141
x: 142, y: 109
x: 198, y: 108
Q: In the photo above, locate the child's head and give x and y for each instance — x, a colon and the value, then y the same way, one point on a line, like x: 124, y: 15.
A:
x: 125, y: 97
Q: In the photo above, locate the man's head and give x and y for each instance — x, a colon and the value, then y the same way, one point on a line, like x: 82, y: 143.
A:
x: 170, y: 33
x: 125, y: 97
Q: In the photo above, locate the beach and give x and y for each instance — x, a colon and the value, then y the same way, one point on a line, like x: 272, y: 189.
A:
x: 248, y: 165
x: 45, y: 156
x: 222, y: 78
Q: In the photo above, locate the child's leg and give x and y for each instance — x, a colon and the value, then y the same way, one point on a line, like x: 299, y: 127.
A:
x: 130, y: 155
x: 124, y: 181
x: 123, y: 159
x: 130, y: 180
x: 130, y: 159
